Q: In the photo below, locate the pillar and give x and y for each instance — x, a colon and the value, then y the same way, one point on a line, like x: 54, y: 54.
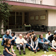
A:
x: 2, y: 27
x: 23, y: 18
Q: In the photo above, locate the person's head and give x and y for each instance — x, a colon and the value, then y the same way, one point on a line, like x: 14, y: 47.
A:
x: 7, y: 32
x: 34, y: 38
x: 54, y: 34
x: 49, y: 32
x: 8, y: 41
x: 55, y: 38
x: 13, y: 34
x: 27, y: 34
x: 41, y: 36
x: 20, y: 36
x: 32, y: 31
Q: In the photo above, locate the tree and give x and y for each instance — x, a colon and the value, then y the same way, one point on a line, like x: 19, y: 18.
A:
x: 4, y: 13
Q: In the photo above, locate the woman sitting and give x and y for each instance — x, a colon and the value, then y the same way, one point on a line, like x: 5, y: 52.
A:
x: 7, y: 46
x: 53, y: 48
x: 34, y: 44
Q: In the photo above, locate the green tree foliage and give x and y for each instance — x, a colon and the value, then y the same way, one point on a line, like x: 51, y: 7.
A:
x: 4, y: 12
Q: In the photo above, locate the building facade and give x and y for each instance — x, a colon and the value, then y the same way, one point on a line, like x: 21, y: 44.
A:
x: 33, y: 12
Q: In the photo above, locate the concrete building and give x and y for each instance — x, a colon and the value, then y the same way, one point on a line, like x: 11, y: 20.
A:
x: 33, y: 12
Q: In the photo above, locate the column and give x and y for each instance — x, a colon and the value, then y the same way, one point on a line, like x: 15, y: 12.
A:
x: 23, y: 18
x: 2, y: 28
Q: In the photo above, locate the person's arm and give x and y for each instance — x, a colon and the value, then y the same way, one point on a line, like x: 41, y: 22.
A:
x: 4, y: 37
x: 46, y: 36
x: 36, y: 44
x: 17, y: 41
x: 12, y: 49
x: 8, y: 51
x: 24, y: 41
x: 53, y: 44
x: 31, y: 43
x: 46, y: 40
x: 40, y: 42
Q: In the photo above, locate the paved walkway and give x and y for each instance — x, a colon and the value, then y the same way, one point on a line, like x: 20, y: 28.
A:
x: 0, y: 39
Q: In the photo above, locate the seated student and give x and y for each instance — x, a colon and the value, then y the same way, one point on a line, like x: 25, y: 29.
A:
x: 34, y: 44
x: 7, y: 48
x: 21, y: 43
x: 49, y: 37
x: 53, y: 48
x: 5, y: 37
x: 32, y: 34
x: 43, y: 43
x: 48, y: 34
x: 13, y: 39
x: 28, y: 39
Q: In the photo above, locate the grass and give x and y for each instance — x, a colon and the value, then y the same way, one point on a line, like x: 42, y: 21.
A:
x: 28, y: 53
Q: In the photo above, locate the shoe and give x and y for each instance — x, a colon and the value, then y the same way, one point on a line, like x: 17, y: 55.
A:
x: 47, y: 50
x: 17, y: 48
x: 55, y: 50
x: 34, y: 51
x: 20, y: 52
x: 43, y: 50
x: 24, y: 52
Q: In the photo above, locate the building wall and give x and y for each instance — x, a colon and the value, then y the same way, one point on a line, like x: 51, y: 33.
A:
x: 49, y: 2
x: 52, y: 18
x: 40, y: 22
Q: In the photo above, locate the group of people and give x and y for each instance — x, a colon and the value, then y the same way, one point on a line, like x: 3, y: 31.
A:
x: 30, y: 41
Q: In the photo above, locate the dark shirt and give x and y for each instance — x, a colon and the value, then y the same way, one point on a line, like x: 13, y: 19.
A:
x: 7, y: 47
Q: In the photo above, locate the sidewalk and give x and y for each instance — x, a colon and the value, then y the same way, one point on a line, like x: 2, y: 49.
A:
x: 0, y: 39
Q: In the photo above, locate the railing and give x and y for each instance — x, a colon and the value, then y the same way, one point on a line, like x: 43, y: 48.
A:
x: 27, y: 1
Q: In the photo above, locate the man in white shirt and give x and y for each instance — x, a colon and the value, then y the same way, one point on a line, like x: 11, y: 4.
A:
x: 21, y: 42
x: 48, y: 34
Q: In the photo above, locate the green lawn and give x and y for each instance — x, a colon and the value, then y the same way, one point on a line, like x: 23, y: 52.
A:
x: 28, y: 53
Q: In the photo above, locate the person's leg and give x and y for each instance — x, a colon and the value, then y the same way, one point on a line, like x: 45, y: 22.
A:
x: 37, y: 49
x: 45, y: 47
x: 40, y: 46
x: 19, y: 48
x: 50, y: 44
x: 24, y: 49
x: 52, y: 49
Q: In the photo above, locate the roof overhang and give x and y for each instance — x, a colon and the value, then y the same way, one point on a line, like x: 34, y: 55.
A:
x: 47, y: 7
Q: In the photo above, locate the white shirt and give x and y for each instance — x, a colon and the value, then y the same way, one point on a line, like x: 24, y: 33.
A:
x: 47, y: 35
x: 18, y: 40
x: 53, y: 43
x: 14, y: 37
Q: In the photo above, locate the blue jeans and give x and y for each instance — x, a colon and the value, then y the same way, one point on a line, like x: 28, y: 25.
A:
x: 33, y: 50
x: 27, y: 45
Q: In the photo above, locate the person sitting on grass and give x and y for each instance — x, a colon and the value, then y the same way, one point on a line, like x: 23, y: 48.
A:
x: 13, y: 39
x: 32, y: 34
x: 7, y: 47
x: 28, y: 39
x: 43, y: 43
x: 53, y: 48
x: 21, y: 43
x: 48, y: 35
x: 34, y: 44
x: 5, y: 37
